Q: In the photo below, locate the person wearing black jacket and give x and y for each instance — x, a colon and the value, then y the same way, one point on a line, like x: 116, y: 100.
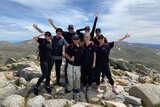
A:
x: 88, y: 62
x: 46, y: 60
x: 87, y: 29
x: 102, y: 59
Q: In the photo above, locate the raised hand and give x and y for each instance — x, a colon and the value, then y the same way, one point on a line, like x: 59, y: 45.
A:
x: 34, y: 25
x: 50, y: 20
x: 97, y: 14
x: 127, y: 35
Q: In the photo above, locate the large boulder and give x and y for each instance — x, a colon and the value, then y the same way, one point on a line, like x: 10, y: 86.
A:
x: 36, y: 101
x: 3, y: 80
x: 30, y: 73
x: 133, y: 100
x: 7, y: 91
x: 94, y: 96
x: 10, y: 61
x: 114, y: 104
x: 14, y: 101
x: 148, y: 93
x: 109, y: 95
x: 56, y: 103
x: 21, y: 65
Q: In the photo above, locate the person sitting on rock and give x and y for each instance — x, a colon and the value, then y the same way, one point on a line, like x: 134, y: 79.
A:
x: 46, y: 60
x: 102, y: 59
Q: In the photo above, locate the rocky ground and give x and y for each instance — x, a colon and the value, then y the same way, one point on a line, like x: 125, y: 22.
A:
x: 138, y: 86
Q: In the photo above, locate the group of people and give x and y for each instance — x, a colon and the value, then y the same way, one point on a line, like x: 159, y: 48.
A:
x: 86, y: 55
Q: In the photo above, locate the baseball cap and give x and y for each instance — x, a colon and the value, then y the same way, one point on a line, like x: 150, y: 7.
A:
x: 70, y: 26
x: 87, y: 28
x: 74, y: 37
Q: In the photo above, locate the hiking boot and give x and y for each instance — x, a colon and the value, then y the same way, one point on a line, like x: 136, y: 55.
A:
x: 36, y: 90
x: 102, y: 81
x: 48, y: 89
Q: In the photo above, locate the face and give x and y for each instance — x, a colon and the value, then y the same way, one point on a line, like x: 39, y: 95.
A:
x: 75, y: 41
x: 48, y: 37
x: 98, y: 33
x: 59, y: 33
x: 87, y: 37
x: 70, y: 30
x: 101, y: 40
x: 87, y: 30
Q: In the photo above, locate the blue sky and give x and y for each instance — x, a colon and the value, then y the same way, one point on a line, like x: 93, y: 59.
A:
x: 140, y: 18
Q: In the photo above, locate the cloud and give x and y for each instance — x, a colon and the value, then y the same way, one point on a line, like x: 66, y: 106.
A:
x: 117, y: 17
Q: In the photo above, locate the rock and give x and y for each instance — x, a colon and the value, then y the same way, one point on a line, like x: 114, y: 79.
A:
x: 120, y: 88
x: 142, y: 69
x: 7, y: 91
x: 30, y: 73
x: 10, y: 61
x: 58, y: 90
x: 82, y: 104
x: 68, y: 96
x: 56, y: 103
x: 14, y: 101
x: 93, y: 96
x: 9, y: 75
x: 21, y: 65
x: 122, y: 82
x: 32, y: 82
x: 31, y: 57
x: 114, y: 104
x: 82, y: 97
x: 3, y: 80
x: 145, y: 79
x: 148, y: 93
x: 133, y: 100
x: 4, y: 68
x: 132, y: 75
x: 109, y: 95
x: 22, y: 81
x: 36, y: 101
x: 103, y: 87
x: 22, y: 92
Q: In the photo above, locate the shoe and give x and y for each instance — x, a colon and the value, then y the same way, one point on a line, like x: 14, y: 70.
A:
x: 48, y: 89
x: 76, y: 90
x: 115, y: 90
x: 36, y: 90
x: 102, y: 81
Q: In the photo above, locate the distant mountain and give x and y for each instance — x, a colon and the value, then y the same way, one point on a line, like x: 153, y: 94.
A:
x: 147, y: 54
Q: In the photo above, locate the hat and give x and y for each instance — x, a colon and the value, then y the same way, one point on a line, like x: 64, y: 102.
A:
x: 59, y: 30
x: 87, y: 28
x: 98, y: 30
x: 100, y: 36
x: 70, y: 26
x: 75, y: 37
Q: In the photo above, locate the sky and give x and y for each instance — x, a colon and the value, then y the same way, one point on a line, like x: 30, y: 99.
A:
x: 139, y: 18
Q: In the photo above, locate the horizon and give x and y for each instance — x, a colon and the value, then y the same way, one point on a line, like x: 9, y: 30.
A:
x: 117, y: 17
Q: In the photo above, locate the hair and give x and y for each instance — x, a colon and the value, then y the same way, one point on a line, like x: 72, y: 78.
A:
x: 59, y: 29
x: 48, y: 34
x: 98, y: 30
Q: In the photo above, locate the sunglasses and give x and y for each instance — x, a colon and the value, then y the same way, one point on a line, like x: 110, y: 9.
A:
x: 76, y: 39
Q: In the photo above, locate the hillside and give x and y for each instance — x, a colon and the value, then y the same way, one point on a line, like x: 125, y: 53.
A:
x: 141, y: 53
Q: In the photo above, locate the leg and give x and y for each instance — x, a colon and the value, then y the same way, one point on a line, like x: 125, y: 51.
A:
x: 84, y: 75
x: 65, y: 71
x: 50, y: 65
x: 58, y: 64
x: 98, y: 74
x: 70, y: 77
x: 90, y: 74
x: 77, y: 77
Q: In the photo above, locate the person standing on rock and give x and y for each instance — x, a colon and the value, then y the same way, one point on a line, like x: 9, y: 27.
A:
x: 46, y: 60
x: 74, y: 55
x: 58, y: 42
x: 102, y: 59
x: 88, y: 62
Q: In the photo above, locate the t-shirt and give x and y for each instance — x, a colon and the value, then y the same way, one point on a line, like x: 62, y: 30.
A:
x: 75, y: 51
x: 45, y: 49
x: 102, y: 53
x: 58, y: 43
x: 68, y: 36
x: 88, y: 53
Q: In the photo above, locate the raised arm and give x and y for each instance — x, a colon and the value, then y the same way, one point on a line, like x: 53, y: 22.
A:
x: 37, y: 36
x: 94, y: 25
x: 52, y: 23
x: 37, y: 28
x: 121, y: 39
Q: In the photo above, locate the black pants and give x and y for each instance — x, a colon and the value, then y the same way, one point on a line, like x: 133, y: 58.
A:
x: 58, y: 64
x: 105, y: 69
x: 46, y: 67
x: 86, y: 74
